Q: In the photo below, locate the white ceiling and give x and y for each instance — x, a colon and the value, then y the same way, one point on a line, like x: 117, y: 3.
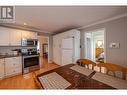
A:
x: 57, y: 19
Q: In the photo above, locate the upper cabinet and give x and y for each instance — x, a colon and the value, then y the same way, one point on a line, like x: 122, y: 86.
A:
x: 29, y: 35
x: 33, y: 35
x: 13, y: 37
x: 25, y: 34
x: 4, y: 36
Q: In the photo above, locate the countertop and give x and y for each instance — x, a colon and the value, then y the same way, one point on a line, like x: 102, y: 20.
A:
x: 7, y: 56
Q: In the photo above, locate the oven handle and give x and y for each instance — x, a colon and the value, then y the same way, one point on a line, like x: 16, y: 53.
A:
x: 30, y: 56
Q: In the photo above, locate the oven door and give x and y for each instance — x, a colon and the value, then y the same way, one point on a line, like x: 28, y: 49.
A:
x: 29, y: 61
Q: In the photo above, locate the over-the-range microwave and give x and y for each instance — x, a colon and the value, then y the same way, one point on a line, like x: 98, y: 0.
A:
x: 29, y: 42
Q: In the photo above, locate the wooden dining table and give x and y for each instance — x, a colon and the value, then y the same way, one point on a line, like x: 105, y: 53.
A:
x: 77, y: 80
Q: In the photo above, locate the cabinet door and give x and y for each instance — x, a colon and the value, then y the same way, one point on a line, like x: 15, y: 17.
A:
x: 4, y: 36
x: 8, y: 66
x: 13, y: 66
x: 25, y: 34
x: 29, y: 35
x: 1, y: 68
x: 33, y: 35
x: 57, y: 49
x: 15, y: 38
x: 17, y: 61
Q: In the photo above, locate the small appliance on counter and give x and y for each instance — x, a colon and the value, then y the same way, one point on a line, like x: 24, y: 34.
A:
x: 16, y: 52
x: 30, y: 58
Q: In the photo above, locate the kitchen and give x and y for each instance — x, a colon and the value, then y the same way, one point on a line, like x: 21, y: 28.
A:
x: 22, y: 48
x: 18, y: 52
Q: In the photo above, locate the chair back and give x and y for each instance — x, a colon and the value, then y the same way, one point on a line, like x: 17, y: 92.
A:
x: 38, y: 85
x: 86, y: 62
x: 113, y: 68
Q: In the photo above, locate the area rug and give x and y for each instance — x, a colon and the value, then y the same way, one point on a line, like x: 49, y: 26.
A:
x: 81, y: 70
x: 54, y: 81
x: 110, y: 80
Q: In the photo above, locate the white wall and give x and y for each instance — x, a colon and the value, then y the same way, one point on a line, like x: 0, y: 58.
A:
x: 116, y: 31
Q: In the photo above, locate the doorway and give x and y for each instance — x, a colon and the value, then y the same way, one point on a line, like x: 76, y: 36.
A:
x: 95, y: 45
x: 43, y: 48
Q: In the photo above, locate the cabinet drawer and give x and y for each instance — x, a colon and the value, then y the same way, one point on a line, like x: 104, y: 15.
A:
x: 9, y: 72
x: 1, y: 74
x: 17, y: 70
x: 17, y: 60
x: 2, y: 60
x: 17, y: 65
x: 13, y: 62
x: 13, y: 71
x: 8, y: 66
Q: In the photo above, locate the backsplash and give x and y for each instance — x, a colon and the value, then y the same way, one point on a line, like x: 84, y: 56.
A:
x: 8, y: 50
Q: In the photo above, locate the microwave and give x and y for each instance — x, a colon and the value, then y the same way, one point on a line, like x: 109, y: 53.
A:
x: 29, y: 42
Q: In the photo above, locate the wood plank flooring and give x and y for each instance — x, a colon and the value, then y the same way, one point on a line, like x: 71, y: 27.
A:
x: 26, y: 81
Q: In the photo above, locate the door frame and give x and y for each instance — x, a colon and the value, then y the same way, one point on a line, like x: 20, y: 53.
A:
x: 104, y: 41
x: 48, y: 49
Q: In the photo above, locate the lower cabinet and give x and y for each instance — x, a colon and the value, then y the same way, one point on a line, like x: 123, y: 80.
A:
x: 1, y: 68
x: 13, y: 66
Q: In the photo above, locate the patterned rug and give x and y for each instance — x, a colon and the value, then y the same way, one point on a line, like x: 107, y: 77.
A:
x: 110, y: 80
x: 82, y: 70
x: 54, y: 81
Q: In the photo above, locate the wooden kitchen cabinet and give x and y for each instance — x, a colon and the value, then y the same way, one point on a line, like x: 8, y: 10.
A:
x: 15, y: 38
x: 29, y: 35
x: 33, y: 35
x: 1, y: 68
x: 57, y: 49
x: 13, y: 66
x: 4, y: 37
x: 25, y: 35
x: 60, y: 50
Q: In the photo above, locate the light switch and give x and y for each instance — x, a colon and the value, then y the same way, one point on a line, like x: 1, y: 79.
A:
x: 114, y: 45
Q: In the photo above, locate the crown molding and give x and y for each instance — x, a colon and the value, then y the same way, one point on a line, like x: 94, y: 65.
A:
x: 21, y: 27
x: 103, y: 21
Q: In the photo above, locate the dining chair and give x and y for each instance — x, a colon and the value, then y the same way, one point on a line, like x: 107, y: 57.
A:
x: 86, y: 62
x: 125, y: 73
x: 112, y: 68
x: 38, y: 85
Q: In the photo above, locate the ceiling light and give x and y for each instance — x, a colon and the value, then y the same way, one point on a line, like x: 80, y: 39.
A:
x: 24, y: 23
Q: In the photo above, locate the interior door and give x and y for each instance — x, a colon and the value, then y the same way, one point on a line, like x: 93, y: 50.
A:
x: 67, y: 50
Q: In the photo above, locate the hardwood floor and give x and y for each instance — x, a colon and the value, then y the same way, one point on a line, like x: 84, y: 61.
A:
x: 26, y: 81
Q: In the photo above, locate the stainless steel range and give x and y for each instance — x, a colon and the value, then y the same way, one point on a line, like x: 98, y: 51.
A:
x: 30, y: 60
